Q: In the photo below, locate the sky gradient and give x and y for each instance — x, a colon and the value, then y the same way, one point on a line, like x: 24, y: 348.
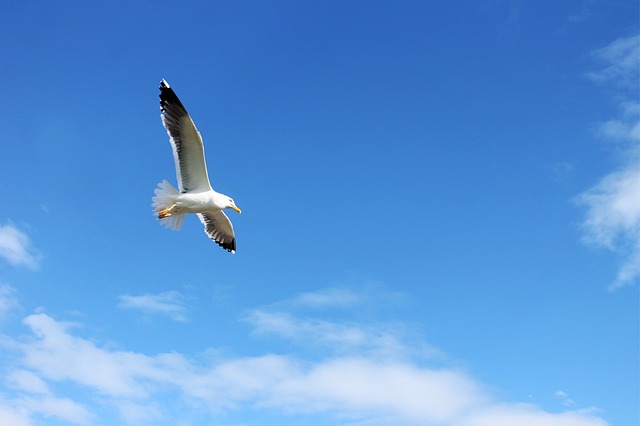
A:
x: 440, y: 214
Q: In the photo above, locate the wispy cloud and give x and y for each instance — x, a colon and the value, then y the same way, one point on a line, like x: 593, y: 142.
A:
x: 28, y: 382
x: 293, y: 319
x: 341, y: 297
x: 623, y: 130
x: 618, y: 64
x: 530, y: 415
x: 612, y: 206
x: 16, y: 247
x: 566, y: 401
x: 36, y: 398
x: 61, y: 408
x: 364, y: 385
x: 328, y: 298
x: 8, y: 299
x: 612, y: 219
x: 170, y: 303
x: 561, y: 172
x: 373, y: 339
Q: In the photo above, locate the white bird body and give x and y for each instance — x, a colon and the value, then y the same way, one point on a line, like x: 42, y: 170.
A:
x: 195, y: 194
x: 199, y: 202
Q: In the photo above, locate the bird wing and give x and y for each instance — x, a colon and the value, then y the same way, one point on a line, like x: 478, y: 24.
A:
x: 188, y: 150
x: 219, y: 228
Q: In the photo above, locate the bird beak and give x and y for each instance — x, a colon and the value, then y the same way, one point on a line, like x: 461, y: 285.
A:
x: 236, y: 209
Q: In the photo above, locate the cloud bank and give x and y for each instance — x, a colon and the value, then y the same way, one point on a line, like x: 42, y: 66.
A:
x: 361, y: 373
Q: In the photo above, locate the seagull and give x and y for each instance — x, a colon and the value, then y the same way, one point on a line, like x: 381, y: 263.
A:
x: 194, y: 193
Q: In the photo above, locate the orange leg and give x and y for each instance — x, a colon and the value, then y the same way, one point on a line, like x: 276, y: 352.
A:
x: 166, y: 212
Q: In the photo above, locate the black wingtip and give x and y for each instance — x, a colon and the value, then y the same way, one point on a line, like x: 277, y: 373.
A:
x: 168, y: 96
x: 229, y: 246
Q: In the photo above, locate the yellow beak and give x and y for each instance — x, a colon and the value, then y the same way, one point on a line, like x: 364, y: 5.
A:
x: 236, y: 209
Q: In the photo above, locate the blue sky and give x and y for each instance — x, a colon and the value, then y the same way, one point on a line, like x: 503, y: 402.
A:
x: 440, y: 214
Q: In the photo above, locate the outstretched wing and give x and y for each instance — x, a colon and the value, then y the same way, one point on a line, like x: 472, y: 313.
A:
x: 219, y: 228
x: 188, y: 150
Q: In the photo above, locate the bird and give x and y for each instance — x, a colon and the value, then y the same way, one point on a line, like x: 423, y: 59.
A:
x: 194, y: 193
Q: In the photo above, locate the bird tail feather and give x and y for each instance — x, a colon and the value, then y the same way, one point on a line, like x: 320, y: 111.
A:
x: 165, y: 197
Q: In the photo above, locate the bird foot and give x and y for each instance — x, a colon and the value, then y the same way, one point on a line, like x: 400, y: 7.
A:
x: 166, y: 212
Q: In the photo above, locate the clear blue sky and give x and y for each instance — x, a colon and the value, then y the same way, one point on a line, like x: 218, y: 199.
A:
x: 440, y: 214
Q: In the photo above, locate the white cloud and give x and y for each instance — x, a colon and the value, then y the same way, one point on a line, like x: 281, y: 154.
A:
x: 363, y: 374
x: 38, y: 400
x: 62, y: 408
x: 341, y: 297
x: 566, y: 401
x: 612, y: 217
x: 58, y: 355
x: 137, y: 413
x: 8, y: 299
x: 28, y: 382
x: 618, y: 63
x: 612, y: 206
x: 12, y: 415
x: 171, y: 304
x: 361, y: 387
x: 529, y: 415
x: 624, y: 130
x: 328, y: 298
x: 374, y: 339
x: 15, y: 247
x: 295, y: 328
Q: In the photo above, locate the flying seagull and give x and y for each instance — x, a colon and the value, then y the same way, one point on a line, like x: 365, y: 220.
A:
x: 194, y: 193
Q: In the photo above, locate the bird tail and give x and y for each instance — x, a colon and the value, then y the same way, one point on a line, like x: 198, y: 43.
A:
x: 166, y: 195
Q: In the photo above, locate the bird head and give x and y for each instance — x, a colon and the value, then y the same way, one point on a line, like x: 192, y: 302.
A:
x: 232, y: 205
